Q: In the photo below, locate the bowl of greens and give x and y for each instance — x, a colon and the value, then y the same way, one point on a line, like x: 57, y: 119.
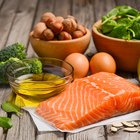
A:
x: 34, y: 80
x: 118, y: 33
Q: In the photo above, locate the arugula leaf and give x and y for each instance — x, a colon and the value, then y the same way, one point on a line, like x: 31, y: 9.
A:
x: 5, y: 122
x: 11, y: 108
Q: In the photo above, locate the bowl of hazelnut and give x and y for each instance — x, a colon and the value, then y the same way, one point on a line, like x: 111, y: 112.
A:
x: 55, y: 36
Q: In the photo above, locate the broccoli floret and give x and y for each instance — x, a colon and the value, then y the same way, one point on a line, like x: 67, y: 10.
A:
x: 3, y: 67
x: 34, y: 65
x: 15, y: 50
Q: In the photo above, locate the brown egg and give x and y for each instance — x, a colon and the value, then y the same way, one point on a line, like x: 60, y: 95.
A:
x: 102, y: 62
x: 80, y: 64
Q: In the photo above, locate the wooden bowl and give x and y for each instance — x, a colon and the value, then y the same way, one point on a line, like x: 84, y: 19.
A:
x: 60, y: 49
x: 126, y: 53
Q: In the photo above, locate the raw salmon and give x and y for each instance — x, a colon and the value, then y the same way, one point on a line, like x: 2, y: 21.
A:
x: 89, y: 100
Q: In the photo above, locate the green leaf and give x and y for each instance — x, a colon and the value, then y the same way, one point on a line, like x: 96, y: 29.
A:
x: 124, y: 21
x: 108, y: 26
x: 121, y: 32
x: 136, y: 28
x: 5, y: 122
x: 127, y: 10
x: 10, y: 108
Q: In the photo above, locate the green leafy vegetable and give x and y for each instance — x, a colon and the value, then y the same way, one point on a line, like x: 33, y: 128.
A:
x: 34, y: 65
x: 11, y: 108
x: 5, y: 122
x: 15, y: 50
x: 122, y: 22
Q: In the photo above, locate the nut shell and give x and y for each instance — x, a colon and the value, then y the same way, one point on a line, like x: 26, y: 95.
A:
x: 38, y: 29
x: 69, y: 25
x: 81, y: 28
x: 47, y: 15
x: 56, y: 27
x: 77, y: 34
x: 48, y: 34
x: 59, y: 19
x: 64, y: 36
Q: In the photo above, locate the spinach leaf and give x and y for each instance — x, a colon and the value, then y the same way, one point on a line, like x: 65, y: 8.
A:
x: 5, y: 122
x: 127, y: 10
x: 108, y: 26
x: 136, y: 28
x: 121, y: 32
x: 10, y: 108
x: 122, y: 22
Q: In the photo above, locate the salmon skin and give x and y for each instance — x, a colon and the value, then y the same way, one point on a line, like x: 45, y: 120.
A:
x: 89, y: 100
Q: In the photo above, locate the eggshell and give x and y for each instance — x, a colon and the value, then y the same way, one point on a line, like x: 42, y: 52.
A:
x: 102, y: 62
x: 80, y: 64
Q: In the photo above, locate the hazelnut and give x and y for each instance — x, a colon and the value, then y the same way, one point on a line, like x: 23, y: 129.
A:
x: 59, y: 19
x: 64, y: 36
x: 56, y: 27
x: 47, y: 18
x: 81, y: 28
x: 48, y: 34
x: 38, y: 29
x: 47, y: 15
x: 77, y: 34
x: 70, y: 16
x: 69, y: 25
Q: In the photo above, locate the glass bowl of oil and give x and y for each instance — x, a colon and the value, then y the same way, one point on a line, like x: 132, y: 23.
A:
x: 29, y: 89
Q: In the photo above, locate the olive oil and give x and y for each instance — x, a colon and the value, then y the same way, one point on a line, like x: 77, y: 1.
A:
x: 34, y: 88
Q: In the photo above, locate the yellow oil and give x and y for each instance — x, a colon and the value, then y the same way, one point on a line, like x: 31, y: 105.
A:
x: 31, y: 89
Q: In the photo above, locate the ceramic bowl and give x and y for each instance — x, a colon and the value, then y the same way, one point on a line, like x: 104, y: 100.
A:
x: 125, y: 52
x: 60, y: 49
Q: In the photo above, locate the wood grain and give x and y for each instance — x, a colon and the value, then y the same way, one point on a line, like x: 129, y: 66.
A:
x: 7, y: 15
x: 50, y: 136
x: 17, y: 19
x: 96, y: 133
x: 42, y: 7
x: 22, y: 22
x: 23, y: 128
x: 4, y: 94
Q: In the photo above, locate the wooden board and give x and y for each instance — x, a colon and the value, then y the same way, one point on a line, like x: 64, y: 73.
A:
x: 7, y: 15
x: 22, y: 23
x: 42, y: 7
x: 96, y: 133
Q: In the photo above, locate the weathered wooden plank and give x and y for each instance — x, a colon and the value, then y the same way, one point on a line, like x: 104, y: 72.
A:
x: 84, y: 13
x: 43, y: 6
x: 23, y: 128
x: 127, y: 2
x: 62, y: 8
x: 137, y: 4
x: 50, y: 136
x: 23, y: 22
x: 4, y: 93
x: 122, y: 135
x: 1, y: 2
x: 96, y: 133
x: 102, y: 7
x: 7, y: 14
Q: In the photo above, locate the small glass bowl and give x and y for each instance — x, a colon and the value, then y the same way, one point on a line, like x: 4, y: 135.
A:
x: 33, y: 88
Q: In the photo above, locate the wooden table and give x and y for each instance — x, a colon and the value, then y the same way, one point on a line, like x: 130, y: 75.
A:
x: 17, y: 18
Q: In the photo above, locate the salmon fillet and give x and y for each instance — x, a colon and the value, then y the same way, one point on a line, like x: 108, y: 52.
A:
x: 89, y: 100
